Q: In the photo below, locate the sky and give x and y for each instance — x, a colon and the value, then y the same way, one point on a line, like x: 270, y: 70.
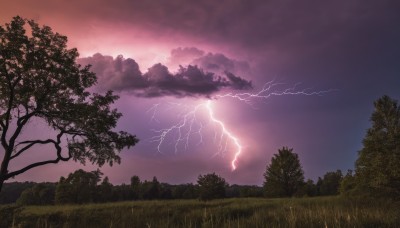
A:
x: 333, y: 57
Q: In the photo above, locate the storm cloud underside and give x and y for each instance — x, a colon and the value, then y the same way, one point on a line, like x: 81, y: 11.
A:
x: 122, y: 74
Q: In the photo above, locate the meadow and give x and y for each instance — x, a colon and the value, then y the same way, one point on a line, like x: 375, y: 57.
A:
x: 243, y: 212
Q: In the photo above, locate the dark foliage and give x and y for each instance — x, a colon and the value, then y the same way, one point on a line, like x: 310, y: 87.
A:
x: 185, y: 191
x: 211, y: 186
x: 151, y: 189
x: 79, y: 187
x: 236, y: 191
x: 135, y: 186
x: 12, y: 191
x: 39, y: 194
x: 308, y: 189
x: 330, y: 184
x: 377, y: 167
x: 284, y: 176
x: 348, y: 184
x: 83, y: 187
x: 40, y: 79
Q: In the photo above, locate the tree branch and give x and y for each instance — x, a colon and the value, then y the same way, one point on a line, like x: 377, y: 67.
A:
x: 30, y: 144
x: 55, y: 161
x: 7, y: 118
x: 26, y: 117
x: 6, y: 146
x: 12, y: 174
x: 20, y: 124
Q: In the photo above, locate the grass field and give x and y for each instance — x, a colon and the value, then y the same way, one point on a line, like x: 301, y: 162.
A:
x: 251, y: 212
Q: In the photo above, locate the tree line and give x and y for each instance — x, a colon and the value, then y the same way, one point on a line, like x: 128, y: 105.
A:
x: 82, y: 187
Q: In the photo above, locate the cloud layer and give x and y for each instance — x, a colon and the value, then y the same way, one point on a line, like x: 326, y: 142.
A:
x: 122, y: 74
x: 214, y: 62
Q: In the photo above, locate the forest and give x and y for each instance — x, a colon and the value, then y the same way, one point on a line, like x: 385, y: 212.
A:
x: 83, y: 187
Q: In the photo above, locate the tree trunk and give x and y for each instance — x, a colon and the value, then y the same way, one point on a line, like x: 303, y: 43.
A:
x: 3, y: 170
x: 1, y: 184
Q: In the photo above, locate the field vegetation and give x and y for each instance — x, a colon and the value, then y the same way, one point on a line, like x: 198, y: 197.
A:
x: 245, y: 212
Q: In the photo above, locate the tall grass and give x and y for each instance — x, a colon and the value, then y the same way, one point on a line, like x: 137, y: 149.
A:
x: 307, y: 212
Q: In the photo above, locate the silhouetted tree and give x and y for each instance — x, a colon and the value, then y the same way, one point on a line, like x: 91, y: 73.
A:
x: 307, y: 189
x: 12, y: 191
x: 377, y: 167
x: 211, y: 186
x: 62, y: 194
x: 122, y: 192
x: 151, y: 189
x: 284, y: 176
x: 348, y: 184
x: 39, y: 79
x: 165, y: 191
x: 185, y: 191
x: 191, y: 191
x: 244, y: 191
x: 330, y: 184
x: 232, y: 191
x: 39, y: 194
x: 135, y: 185
x: 105, y: 191
x: 80, y: 187
x: 251, y: 191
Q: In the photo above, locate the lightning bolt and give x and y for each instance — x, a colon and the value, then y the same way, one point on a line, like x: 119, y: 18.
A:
x: 186, y: 126
x: 188, y: 123
x: 227, y: 133
x: 269, y: 90
x: 187, y: 120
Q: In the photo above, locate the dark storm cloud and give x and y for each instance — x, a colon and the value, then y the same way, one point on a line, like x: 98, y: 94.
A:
x: 124, y: 75
x: 283, y: 29
x: 219, y: 62
x: 116, y: 74
x: 256, y: 23
x: 186, y: 54
x: 214, y: 62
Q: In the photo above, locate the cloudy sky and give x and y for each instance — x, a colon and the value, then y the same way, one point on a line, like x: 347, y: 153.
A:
x: 168, y: 59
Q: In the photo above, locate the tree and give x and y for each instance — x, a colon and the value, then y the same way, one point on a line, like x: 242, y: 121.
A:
x: 151, y: 189
x: 105, y: 191
x: 13, y: 190
x: 211, y: 186
x: 284, y: 176
x: 40, y: 80
x: 309, y: 188
x: 348, y: 184
x: 122, y: 192
x: 62, y: 194
x: 79, y: 187
x: 135, y: 186
x: 330, y: 184
x: 185, y: 191
x: 39, y: 194
x: 377, y: 167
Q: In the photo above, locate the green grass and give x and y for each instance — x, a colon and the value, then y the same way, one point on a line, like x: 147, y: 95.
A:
x: 305, y: 212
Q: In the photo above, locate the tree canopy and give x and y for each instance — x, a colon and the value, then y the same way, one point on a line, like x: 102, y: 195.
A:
x: 330, y: 184
x: 284, y: 176
x: 377, y: 167
x: 39, y: 194
x: 79, y: 187
x: 211, y: 186
x: 40, y: 79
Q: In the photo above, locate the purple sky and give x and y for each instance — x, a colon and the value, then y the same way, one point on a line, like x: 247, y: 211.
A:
x: 349, y: 46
